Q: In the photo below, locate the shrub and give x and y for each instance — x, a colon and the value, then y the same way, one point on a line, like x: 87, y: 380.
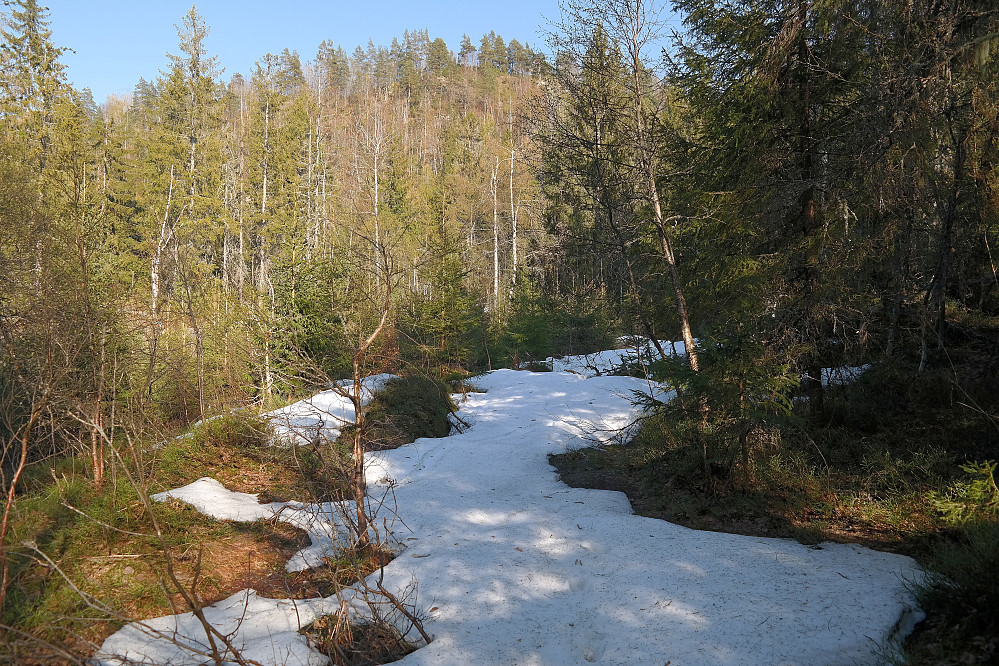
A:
x: 407, y: 409
x: 232, y: 429
x: 357, y: 643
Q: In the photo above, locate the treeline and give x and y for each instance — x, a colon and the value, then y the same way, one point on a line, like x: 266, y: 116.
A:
x: 797, y: 185
x: 786, y: 187
x: 203, y: 244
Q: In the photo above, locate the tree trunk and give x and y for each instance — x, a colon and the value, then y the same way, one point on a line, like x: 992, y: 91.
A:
x: 934, y: 302
x: 358, y: 482
x: 513, y: 221
x: 647, y: 160
x: 812, y: 381
x: 21, y: 438
x: 681, y: 302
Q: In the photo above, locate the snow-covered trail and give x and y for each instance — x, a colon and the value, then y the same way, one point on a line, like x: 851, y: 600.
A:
x: 524, y: 570
x: 520, y: 569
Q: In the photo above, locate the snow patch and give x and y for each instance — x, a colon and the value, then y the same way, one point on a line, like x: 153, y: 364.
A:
x: 633, y: 350
x: 324, y: 523
x: 324, y: 414
x: 843, y: 375
x: 262, y: 630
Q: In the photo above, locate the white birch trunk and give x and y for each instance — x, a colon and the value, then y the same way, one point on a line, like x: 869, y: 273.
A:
x: 493, y: 188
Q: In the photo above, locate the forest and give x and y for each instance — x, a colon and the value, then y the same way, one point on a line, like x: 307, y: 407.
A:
x: 789, y: 187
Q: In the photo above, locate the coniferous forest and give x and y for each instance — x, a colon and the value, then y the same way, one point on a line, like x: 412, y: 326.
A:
x: 795, y: 189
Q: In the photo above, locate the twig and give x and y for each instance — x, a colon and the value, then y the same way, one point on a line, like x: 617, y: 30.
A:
x: 99, y: 522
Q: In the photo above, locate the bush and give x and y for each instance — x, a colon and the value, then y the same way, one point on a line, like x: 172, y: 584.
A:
x: 407, y: 409
x: 357, y: 643
x: 232, y: 429
x: 970, y: 500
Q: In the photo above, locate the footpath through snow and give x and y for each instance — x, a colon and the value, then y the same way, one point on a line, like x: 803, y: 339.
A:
x: 514, y: 567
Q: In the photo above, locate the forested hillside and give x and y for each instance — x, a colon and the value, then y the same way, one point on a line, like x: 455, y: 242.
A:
x: 197, y: 239
x: 788, y: 187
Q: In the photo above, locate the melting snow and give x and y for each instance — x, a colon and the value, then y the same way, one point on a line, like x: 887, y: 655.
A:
x: 514, y: 567
x: 633, y: 350
x: 324, y: 523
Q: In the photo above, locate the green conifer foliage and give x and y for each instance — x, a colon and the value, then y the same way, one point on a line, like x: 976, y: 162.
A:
x: 33, y: 77
x: 466, y: 53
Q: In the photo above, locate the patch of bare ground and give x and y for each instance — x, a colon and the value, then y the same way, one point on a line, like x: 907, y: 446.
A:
x: 249, y: 555
x: 252, y: 555
x: 810, y: 517
x: 357, y: 645
x: 349, y: 567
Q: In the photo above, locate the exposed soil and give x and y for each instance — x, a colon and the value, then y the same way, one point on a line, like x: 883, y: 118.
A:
x: 349, y: 568
x: 731, y: 511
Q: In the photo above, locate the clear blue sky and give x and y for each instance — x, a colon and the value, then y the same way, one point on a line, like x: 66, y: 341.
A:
x: 118, y: 41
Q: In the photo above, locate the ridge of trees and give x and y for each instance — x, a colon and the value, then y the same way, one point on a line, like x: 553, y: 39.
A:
x: 775, y: 172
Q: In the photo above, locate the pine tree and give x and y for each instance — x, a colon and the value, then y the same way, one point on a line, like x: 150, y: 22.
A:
x: 516, y: 57
x: 639, y: 111
x: 440, y: 61
x: 178, y: 183
x: 487, y: 57
x: 333, y: 66
x: 799, y: 104
x: 584, y: 139
x: 500, y: 58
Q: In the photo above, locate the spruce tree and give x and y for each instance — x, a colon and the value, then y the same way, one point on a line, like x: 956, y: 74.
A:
x: 466, y: 53
x: 32, y: 79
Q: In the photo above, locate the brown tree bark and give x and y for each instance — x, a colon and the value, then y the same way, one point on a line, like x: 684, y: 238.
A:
x: 358, y: 482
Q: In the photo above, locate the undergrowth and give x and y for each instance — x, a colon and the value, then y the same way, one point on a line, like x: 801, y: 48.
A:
x: 235, y: 449
x: 90, y: 559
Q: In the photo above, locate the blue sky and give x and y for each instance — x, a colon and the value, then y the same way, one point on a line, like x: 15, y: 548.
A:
x: 118, y: 41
